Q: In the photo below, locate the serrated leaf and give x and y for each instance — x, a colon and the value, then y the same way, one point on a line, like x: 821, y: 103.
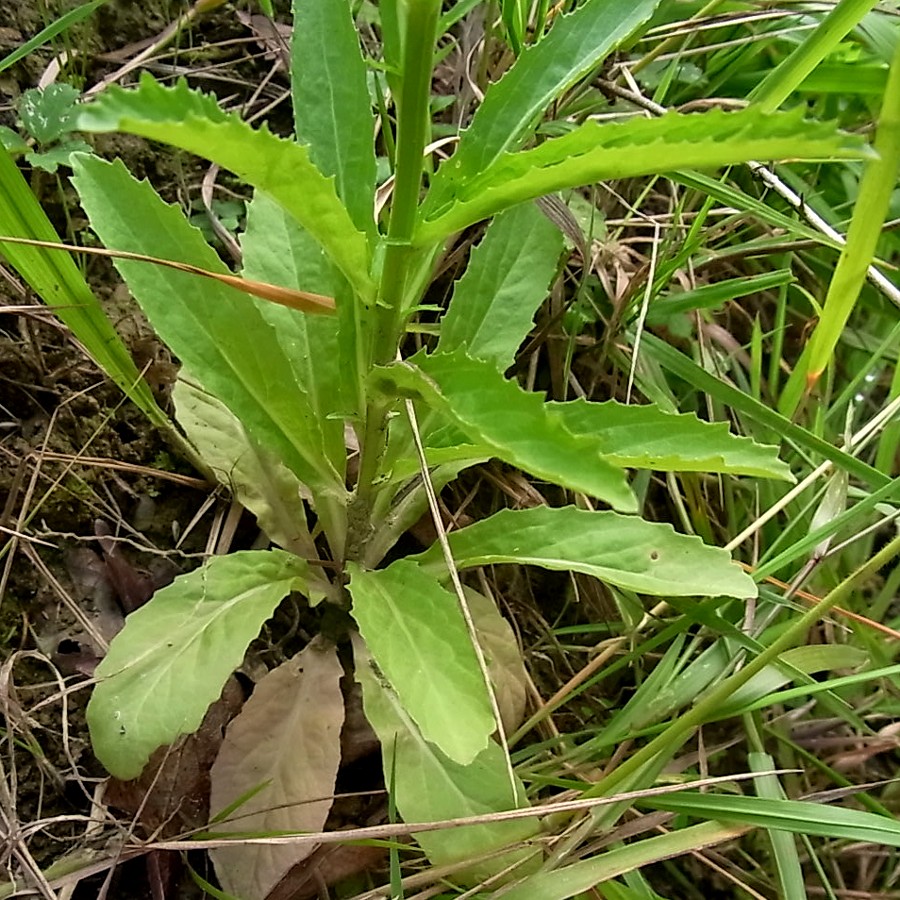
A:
x: 170, y: 661
x: 518, y: 426
x: 429, y: 787
x: 415, y: 631
x: 332, y: 110
x: 283, y: 749
x: 217, y: 332
x: 259, y: 480
x: 626, y: 551
x: 46, y: 113
x: 645, y: 437
x: 639, y: 146
x: 282, y: 168
x: 493, y: 304
x: 574, y: 46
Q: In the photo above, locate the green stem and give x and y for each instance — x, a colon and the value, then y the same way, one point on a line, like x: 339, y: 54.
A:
x: 399, y: 266
x: 413, y: 119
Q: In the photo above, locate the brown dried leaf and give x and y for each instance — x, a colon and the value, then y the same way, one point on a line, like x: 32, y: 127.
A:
x: 287, y: 738
x: 504, y: 659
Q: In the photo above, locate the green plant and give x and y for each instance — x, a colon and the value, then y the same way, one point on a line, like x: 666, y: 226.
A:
x: 268, y: 393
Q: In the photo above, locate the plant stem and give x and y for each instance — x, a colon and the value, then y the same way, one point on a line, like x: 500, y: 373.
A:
x: 413, y: 127
x: 413, y: 118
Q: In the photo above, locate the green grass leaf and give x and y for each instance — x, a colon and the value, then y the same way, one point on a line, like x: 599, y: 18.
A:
x: 645, y: 437
x: 573, y: 880
x: 175, y: 653
x: 493, y: 304
x: 54, y: 277
x: 217, y: 332
x: 516, y: 425
x: 194, y: 122
x: 639, y: 146
x: 416, y: 633
x: 332, y: 110
x: 799, y: 816
x: 626, y: 551
x: 876, y: 188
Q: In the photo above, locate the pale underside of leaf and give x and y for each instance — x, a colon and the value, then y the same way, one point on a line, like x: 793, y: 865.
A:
x: 429, y: 787
x: 283, y: 749
x: 173, y: 656
x: 259, y: 480
x: 415, y: 631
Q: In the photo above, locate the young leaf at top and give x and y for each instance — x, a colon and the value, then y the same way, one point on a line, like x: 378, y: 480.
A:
x: 429, y: 787
x: 517, y: 425
x: 415, y: 630
x: 282, y: 168
x: 575, y: 44
x: 594, y: 152
x: 332, y: 110
x: 218, y: 333
x: 493, y: 304
x: 626, y: 551
x: 283, y: 749
x: 645, y: 437
x: 174, y: 654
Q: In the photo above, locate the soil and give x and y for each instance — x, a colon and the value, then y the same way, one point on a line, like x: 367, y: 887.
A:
x: 80, y: 465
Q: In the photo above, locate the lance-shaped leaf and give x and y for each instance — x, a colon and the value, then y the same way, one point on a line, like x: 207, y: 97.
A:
x: 217, y: 332
x: 282, y: 751
x: 626, y: 551
x: 332, y: 110
x: 429, y: 787
x: 415, y: 630
x: 518, y: 426
x: 574, y: 46
x: 277, y: 250
x: 282, y: 168
x: 170, y: 661
x: 594, y: 152
x: 493, y: 304
x: 645, y: 437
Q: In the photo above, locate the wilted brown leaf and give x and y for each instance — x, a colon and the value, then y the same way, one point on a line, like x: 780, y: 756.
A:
x: 504, y: 658
x: 287, y: 740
